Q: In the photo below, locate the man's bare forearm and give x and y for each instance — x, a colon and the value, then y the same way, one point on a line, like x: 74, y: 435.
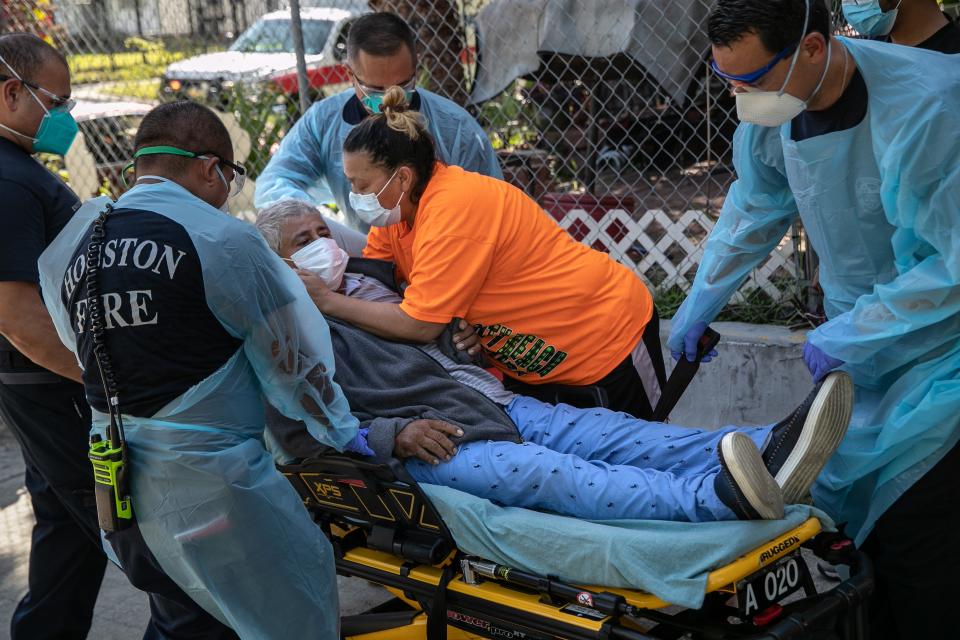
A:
x: 42, y: 345
x: 27, y: 325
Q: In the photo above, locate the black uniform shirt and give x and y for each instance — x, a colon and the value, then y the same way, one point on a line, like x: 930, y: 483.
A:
x: 34, y: 206
x: 945, y: 40
x: 160, y: 335
x: 845, y: 113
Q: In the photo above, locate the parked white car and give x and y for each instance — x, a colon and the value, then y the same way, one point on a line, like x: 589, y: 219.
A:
x: 264, y: 54
x: 104, y: 146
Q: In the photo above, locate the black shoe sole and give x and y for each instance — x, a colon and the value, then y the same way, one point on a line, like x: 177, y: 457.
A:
x: 823, y: 429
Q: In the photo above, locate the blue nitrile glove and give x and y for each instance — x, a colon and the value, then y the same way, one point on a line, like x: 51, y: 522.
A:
x: 819, y: 363
x: 359, y: 444
x: 690, y: 341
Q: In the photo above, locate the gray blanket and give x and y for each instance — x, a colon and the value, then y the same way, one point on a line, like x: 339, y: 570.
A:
x: 390, y: 384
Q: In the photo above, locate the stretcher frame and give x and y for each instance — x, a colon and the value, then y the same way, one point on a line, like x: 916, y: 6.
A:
x: 384, y: 529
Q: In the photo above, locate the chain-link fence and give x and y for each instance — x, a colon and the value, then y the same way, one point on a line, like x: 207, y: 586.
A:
x: 605, y: 111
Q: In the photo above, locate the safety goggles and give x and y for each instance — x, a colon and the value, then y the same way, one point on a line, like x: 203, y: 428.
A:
x: 409, y: 87
x: 753, y: 76
x: 235, y: 183
x: 58, y: 103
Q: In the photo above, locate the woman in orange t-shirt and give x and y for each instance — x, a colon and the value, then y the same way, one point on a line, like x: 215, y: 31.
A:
x: 550, y: 311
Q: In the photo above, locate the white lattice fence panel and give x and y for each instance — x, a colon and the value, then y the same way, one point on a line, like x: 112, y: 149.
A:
x: 666, y: 252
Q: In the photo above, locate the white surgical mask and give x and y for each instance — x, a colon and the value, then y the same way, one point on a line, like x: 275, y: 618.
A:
x: 773, y: 108
x: 369, y: 209
x: 324, y: 259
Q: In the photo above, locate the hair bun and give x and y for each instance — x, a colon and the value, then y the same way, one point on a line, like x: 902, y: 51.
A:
x: 391, y: 108
x: 394, y: 99
x: 398, y: 114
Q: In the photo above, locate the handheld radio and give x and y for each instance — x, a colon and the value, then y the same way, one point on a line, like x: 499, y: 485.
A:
x: 108, y: 457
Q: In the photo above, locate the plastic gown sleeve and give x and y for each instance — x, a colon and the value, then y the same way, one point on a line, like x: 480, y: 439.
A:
x: 458, y: 137
x: 260, y: 300
x: 477, y: 154
x: 52, y: 266
x: 299, y: 168
x: 900, y: 320
x: 299, y: 171
x: 756, y: 215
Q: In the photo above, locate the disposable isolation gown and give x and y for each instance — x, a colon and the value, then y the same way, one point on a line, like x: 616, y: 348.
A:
x: 309, y: 164
x: 880, y: 202
x: 221, y: 521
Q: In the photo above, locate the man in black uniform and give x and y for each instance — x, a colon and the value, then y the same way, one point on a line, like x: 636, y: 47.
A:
x: 41, y: 399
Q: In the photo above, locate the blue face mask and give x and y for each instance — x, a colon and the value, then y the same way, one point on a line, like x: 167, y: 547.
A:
x: 868, y: 18
x: 57, y: 128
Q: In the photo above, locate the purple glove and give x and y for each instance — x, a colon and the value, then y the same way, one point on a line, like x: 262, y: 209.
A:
x: 359, y: 444
x: 690, y: 341
x: 819, y: 363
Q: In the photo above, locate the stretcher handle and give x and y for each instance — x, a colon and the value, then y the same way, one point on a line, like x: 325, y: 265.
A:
x: 610, y: 604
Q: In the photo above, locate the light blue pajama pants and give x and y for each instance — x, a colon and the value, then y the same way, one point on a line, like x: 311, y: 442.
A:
x: 594, y: 464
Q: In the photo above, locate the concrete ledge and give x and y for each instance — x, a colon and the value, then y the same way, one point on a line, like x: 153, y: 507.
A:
x: 758, y: 377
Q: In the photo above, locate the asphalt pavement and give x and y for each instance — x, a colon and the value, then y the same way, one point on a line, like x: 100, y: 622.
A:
x: 122, y: 611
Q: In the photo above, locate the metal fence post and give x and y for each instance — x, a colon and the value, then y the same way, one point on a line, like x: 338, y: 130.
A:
x: 605, y: 112
x: 302, y: 82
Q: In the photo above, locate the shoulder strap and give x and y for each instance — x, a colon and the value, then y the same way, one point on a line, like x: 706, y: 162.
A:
x: 682, y: 375
x: 437, y: 615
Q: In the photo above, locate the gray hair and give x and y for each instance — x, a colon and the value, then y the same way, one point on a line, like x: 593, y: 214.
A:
x: 270, y: 219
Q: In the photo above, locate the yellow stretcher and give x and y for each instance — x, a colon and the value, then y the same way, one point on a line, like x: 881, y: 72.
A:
x: 384, y: 529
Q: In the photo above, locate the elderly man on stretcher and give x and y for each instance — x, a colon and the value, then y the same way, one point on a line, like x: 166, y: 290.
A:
x: 456, y: 425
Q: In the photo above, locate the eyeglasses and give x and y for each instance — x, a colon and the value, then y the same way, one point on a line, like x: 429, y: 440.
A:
x: 239, y: 173
x: 753, y: 76
x: 58, y: 103
x: 408, y: 86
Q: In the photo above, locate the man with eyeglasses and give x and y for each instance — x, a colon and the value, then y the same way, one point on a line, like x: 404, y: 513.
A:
x: 381, y: 52
x: 41, y: 399
x: 187, y: 320
x: 860, y: 140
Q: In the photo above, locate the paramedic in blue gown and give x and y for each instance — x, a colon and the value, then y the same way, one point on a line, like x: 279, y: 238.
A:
x: 41, y: 399
x: 381, y: 53
x: 861, y: 139
x: 201, y: 321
